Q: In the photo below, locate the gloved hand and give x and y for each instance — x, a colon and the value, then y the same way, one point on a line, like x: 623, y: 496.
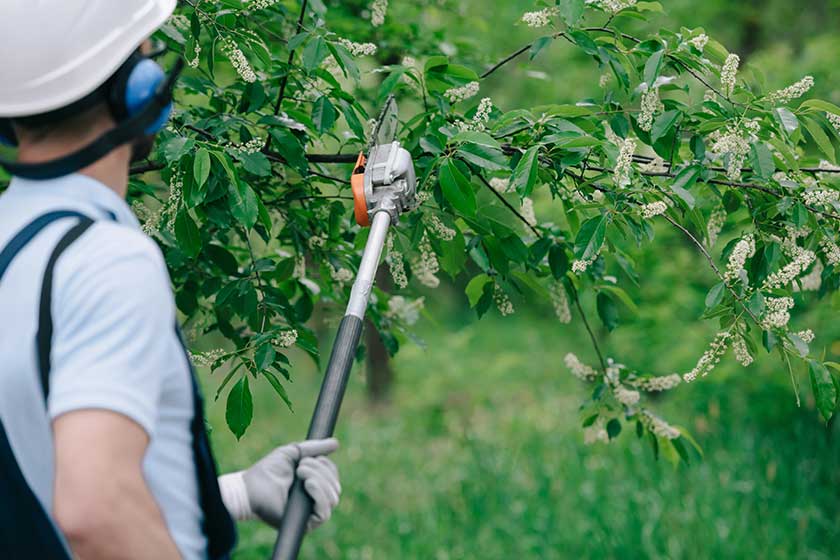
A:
x: 261, y: 491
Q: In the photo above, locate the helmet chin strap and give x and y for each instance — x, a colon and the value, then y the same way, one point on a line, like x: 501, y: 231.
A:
x: 124, y: 132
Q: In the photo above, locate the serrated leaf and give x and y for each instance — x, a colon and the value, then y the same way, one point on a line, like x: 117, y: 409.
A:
x: 239, y: 409
x: 264, y: 356
x: 571, y: 11
x: 590, y: 238
x: 314, y: 53
x: 825, y: 392
x: 525, y: 174
x: 787, y: 119
x: 201, y: 167
x: 821, y: 138
x: 475, y: 288
x: 456, y: 188
x: 558, y: 261
x: 684, y: 180
x: 762, y: 160
x: 323, y: 114
x: 243, y: 203
x: 278, y: 387
x: 539, y: 45
x: 663, y: 124
x: 607, y: 310
x: 187, y: 234
x: 652, y: 66
x: 715, y: 295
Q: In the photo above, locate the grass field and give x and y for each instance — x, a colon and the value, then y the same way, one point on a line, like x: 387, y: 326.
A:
x: 480, y: 455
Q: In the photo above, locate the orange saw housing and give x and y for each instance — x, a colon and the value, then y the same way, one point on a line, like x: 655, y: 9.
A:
x: 357, y: 184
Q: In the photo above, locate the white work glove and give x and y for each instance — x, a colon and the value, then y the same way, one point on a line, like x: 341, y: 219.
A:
x: 261, y: 491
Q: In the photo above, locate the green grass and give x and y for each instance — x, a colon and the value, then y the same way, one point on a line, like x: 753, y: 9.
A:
x: 480, y: 455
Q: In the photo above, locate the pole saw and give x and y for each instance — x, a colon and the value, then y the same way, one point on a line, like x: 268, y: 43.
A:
x: 383, y: 185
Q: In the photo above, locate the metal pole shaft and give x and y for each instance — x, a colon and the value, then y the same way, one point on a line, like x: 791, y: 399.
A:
x: 299, y: 506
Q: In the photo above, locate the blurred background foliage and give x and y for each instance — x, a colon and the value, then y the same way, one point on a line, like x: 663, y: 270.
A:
x: 478, y: 452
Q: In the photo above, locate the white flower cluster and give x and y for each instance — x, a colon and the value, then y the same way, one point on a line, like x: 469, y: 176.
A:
x: 699, y: 42
x: 579, y: 369
x: 735, y: 141
x: 261, y: 4
x: 206, y: 359
x: 802, y: 259
x: 812, y: 281
x: 317, y: 241
x: 440, y: 229
x: 656, y: 165
x: 831, y: 251
x: 654, y: 209
x: 479, y: 120
x: 427, y: 266
x: 560, y: 301
x: 743, y: 250
x: 807, y: 336
x: 175, y: 200
x: 500, y: 184
x: 457, y: 94
x: 794, y: 91
x: 340, y: 275
x: 820, y: 197
x: 610, y: 134
x: 300, y: 267
x: 612, y: 6
x: 626, y: 396
x: 409, y: 62
x: 285, y: 339
x: 150, y: 220
x: 502, y: 301
x: 540, y: 18
x: 357, y: 49
x: 624, y: 162
x: 777, y: 314
x: 405, y: 310
x: 193, y: 62
x: 527, y: 211
x: 650, y: 105
x: 729, y: 73
x: 580, y: 266
x: 238, y: 60
x: 378, y: 10
x: 252, y: 146
x: 742, y: 353
x: 658, y: 426
x: 715, y: 226
x: 396, y: 264
x: 710, y: 358
x: 657, y: 384
x: 834, y: 120
x: 596, y: 432
x: 604, y: 80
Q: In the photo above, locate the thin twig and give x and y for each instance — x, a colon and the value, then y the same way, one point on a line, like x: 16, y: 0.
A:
x: 509, y: 205
x: 592, y: 336
x: 285, y: 79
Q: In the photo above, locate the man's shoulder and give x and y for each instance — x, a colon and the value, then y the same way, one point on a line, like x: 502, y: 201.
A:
x: 107, y: 242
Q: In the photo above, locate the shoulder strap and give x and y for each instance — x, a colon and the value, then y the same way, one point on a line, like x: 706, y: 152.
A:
x: 26, y: 235
x: 45, y: 322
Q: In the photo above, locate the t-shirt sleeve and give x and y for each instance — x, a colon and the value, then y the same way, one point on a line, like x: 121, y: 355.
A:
x: 113, y: 315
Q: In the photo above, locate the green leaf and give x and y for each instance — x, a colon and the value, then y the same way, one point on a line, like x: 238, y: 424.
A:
x: 607, y: 310
x: 539, y: 45
x: 176, y: 148
x: 685, y: 179
x: 652, y: 66
x: 525, y: 174
x: 663, y: 124
x: 622, y: 295
x: 571, y: 11
x: 812, y: 105
x: 762, y: 160
x: 457, y: 188
x: 201, y: 167
x: 278, y: 387
x: 315, y: 52
x: 239, y: 410
x: 787, y: 119
x: 613, y: 428
x: 825, y: 392
x: 187, y: 234
x: 821, y: 138
x: 264, y: 356
x: 590, y: 238
x: 482, y: 156
x: 475, y: 288
x: 558, y: 261
x: 255, y: 163
x: 323, y: 114
x: 715, y: 295
x: 244, y: 205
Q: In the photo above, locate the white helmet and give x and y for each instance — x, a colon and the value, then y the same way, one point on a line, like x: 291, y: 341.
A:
x: 55, y: 52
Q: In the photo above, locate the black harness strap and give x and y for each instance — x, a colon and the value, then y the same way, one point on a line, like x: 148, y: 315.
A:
x: 43, y: 340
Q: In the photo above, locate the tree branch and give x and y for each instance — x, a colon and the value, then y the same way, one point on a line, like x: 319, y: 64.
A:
x: 509, y: 205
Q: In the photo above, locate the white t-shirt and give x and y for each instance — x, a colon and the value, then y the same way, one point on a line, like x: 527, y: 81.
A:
x: 114, y: 345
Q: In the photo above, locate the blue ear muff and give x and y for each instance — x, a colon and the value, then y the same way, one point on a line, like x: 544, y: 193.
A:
x: 143, y: 81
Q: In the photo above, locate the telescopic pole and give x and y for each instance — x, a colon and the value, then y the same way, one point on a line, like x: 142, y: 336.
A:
x: 299, y: 506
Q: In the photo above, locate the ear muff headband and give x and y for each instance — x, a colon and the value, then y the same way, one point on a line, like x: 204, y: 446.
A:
x: 149, y: 119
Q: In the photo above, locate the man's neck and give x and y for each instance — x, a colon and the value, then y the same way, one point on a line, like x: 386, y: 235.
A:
x: 111, y: 170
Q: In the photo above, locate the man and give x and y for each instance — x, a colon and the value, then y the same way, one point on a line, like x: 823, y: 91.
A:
x: 102, y: 432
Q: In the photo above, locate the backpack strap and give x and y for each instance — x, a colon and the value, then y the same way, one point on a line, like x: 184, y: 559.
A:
x: 25, y: 235
x: 45, y: 323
